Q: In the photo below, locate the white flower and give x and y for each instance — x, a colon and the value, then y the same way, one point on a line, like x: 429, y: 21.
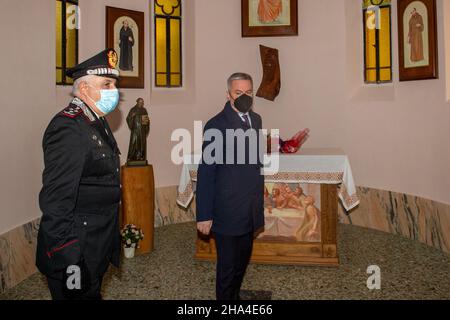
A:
x: 128, y: 241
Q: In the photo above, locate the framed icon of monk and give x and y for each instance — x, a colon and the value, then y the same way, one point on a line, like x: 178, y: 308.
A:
x: 125, y: 33
x: 417, y: 40
x: 269, y: 18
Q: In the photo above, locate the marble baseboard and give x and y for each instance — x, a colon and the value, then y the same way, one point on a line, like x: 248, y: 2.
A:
x: 413, y: 217
x: 168, y: 211
x: 18, y: 246
x: 17, y: 254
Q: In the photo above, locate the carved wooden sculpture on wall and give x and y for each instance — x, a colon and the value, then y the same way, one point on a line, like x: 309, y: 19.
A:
x: 271, y: 81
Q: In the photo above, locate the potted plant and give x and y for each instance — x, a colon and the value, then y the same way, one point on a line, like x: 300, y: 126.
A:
x: 131, y: 235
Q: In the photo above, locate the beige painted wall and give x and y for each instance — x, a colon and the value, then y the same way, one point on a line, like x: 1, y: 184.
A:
x: 27, y: 100
x: 396, y: 135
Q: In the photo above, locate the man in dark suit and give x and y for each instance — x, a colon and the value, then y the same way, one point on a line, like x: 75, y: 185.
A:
x: 79, y: 231
x: 230, y: 185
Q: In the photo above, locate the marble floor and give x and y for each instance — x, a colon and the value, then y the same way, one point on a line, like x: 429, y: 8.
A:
x: 409, y: 270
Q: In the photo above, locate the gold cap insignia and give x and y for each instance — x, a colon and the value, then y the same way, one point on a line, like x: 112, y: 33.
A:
x: 112, y: 59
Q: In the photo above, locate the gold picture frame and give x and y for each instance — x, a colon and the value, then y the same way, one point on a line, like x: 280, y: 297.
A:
x: 269, y: 18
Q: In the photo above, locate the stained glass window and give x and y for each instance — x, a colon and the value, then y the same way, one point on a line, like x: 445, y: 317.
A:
x: 168, y: 53
x: 377, y: 41
x: 66, y: 39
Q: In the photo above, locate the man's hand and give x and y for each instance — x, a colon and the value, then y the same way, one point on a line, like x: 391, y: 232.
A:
x: 204, y: 226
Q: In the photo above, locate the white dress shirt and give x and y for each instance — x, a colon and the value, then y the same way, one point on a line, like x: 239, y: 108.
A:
x: 241, y: 114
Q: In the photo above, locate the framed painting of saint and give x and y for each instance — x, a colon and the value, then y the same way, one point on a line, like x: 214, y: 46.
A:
x: 125, y: 34
x: 417, y: 40
x: 269, y: 18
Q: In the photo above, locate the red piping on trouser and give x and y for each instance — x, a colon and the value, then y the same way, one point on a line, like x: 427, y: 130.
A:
x: 50, y: 253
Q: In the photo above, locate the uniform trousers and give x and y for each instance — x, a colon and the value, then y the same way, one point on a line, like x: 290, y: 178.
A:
x: 59, y: 291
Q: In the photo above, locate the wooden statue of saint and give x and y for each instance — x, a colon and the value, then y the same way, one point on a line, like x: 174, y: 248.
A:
x: 139, y: 124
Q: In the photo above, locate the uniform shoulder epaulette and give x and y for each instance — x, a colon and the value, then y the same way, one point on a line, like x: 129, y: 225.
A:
x: 72, y: 111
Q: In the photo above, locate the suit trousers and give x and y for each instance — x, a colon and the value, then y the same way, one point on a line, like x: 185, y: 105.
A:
x: 58, y: 290
x: 233, y: 257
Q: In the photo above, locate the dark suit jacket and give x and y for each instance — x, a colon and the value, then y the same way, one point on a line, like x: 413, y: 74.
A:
x: 80, y: 195
x: 231, y: 194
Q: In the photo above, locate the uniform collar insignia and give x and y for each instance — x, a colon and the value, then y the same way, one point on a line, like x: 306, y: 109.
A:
x: 71, y: 111
x: 77, y: 102
x: 87, y: 112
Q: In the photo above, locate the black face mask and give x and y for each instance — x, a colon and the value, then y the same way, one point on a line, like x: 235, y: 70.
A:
x: 243, y: 103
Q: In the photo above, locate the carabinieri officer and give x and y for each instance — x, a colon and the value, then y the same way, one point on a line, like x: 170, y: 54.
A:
x: 79, y: 231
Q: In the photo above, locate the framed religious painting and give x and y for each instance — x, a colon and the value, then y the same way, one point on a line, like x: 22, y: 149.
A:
x: 417, y: 40
x: 300, y: 226
x: 125, y: 34
x: 292, y: 213
x: 269, y: 18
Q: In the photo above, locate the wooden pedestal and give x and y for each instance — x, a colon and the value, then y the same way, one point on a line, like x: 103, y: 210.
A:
x: 322, y: 253
x: 138, y: 202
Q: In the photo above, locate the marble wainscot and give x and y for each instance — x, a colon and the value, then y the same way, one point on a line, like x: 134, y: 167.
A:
x: 413, y: 217
x: 18, y: 246
x: 17, y: 254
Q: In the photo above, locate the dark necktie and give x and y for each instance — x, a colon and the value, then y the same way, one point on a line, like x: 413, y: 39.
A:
x: 246, y: 121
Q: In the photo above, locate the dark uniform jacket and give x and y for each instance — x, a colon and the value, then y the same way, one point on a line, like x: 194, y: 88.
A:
x: 80, y: 196
x: 232, y: 195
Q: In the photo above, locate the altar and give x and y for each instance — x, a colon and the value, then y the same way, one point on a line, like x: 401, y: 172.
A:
x: 300, y: 207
